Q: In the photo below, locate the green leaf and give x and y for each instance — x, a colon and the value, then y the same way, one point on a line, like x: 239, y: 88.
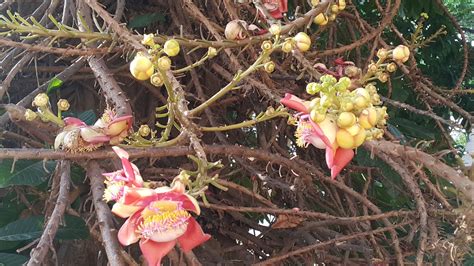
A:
x: 8, y: 259
x: 88, y: 117
x: 411, y: 128
x: 32, y: 228
x: 25, y: 172
x: 145, y: 20
x: 54, y: 85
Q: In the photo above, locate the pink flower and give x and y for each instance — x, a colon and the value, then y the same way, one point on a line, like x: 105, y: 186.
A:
x: 158, y: 219
x: 77, y: 136
x: 322, y: 135
x: 276, y: 8
x: 128, y: 177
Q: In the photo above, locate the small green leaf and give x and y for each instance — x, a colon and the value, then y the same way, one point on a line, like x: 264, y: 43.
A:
x: 8, y: 259
x: 54, y: 85
x: 145, y: 20
x: 25, y: 172
x: 32, y: 228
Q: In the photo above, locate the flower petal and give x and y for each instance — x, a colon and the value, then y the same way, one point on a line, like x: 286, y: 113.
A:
x: 90, y: 135
x: 189, y: 203
x: 155, y: 251
x: 118, y: 125
x: 126, y: 164
x: 341, y: 159
x: 123, y: 210
x: 295, y: 103
x: 74, y: 121
x: 193, y: 237
x: 137, y: 195
x: 127, y: 234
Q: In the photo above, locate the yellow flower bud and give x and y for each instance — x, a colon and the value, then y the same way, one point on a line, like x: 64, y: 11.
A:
x: 359, y: 138
x: 401, y: 53
x: 344, y: 139
x: 321, y: 19
x: 269, y: 67
x: 144, y: 130
x: 156, y: 80
x: 164, y: 63
x: 41, y: 100
x: 372, y: 68
x: 275, y: 29
x: 382, y: 53
x: 354, y: 129
x: 346, y: 119
x: 171, y: 47
x: 211, y: 52
x: 360, y: 102
x: 334, y: 8
x: 148, y: 39
x: 303, y: 41
x: 392, y: 67
x: 341, y: 5
x: 347, y: 106
x: 141, y: 67
x: 63, y: 105
x: 314, y: 2
x: 332, y: 17
x: 314, y: 103
x: 30, y: 115
x: 368, y: 118
x: 267, y: 45
x: 287, y: 46
x: 383, y: 77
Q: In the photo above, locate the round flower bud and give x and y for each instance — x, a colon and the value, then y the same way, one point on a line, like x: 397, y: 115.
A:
x: 360, y: 102
x: 303, y: 42
x: 63, y: 105
x: 164, y: 63
x: 372, y: 68
x: 341, y: 4
x: 311, y: 88
x: 346, y: 119
x: 287, y: 46
x: 347, y: 106
x: 314, y: 2
x: 317, y: 116
x: 362, y: 92
x: 354, y: 129
x: 321, y: 19
x: 269, y: 67
x: 382, y: 53
x: 275, y: 29
x: 267, y: 45
x: 368, y: 118
x: 392, y: 67
x: 383, y: 77
x: 30, y: 115
x: 171, y: 47
x: 334, y: 8
x: 360, y: 138
x: 211, y: 52
x: 144, y: 130
x: 344, y: 139
x: 156, y: 80
x: 371, y: 89
x: 234, y: 30
x: 401, y: 53
x: 325, y: 101
x: 141, y: 67
x: 332, y: 17
x: 148, y: 39
x: 352, y: 71
x: 41, y: 100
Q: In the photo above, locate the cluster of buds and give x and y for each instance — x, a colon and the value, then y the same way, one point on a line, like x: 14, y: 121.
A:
x: 43, y: 110
x: 338, y: 119
x: 77, y: 136
x: 156, y: 218
x: 324, y: 17
x: 380, y: 70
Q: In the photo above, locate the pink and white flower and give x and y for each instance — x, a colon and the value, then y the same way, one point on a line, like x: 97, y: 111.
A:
x: 322, y: 135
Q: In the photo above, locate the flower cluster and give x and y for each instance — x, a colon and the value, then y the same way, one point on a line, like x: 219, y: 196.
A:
x: 156, y: 218
x: 337, y: 120
x: 330, y: 15
x: 77, y: 136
